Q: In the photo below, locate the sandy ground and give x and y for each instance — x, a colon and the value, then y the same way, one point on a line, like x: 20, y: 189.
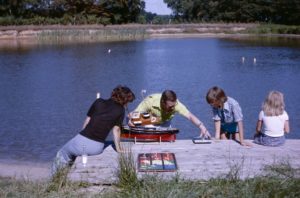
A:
x: 19, y: 170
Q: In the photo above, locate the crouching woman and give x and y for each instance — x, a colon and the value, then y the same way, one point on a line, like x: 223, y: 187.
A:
x: 103, y: 115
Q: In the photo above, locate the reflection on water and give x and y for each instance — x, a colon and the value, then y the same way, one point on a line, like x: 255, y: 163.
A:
x: 46, y: 90
x: 269, y: 41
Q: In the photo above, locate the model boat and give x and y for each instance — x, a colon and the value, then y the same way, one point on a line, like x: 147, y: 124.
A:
x: 149, y: 133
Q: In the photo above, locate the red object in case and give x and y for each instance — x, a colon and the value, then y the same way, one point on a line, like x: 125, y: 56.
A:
x: 157, y: 162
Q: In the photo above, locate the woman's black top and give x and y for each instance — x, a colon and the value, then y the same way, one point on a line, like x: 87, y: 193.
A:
x: 104, y: 114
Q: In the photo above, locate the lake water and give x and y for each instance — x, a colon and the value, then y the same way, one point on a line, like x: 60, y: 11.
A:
x: 47, y: 90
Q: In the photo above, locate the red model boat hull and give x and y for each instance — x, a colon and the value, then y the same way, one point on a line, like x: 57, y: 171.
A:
x: 150, y: 137
x: 149, y: 134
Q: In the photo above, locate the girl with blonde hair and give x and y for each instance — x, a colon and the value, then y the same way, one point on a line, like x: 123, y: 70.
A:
x: 273, y: 121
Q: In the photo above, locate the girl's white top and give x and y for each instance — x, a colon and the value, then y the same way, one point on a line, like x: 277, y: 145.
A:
x: 273, y: 125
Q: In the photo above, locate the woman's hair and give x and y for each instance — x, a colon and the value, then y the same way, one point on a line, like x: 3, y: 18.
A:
x: 122, y: 95
x: 216, y: 95
x: 273, y: 104
x: 168, y: 95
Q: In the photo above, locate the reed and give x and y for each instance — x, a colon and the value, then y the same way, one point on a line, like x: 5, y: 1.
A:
x: 90, y: 35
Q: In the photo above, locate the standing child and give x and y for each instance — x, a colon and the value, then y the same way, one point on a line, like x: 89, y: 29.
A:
x: 273, y: 121
x: 227, y: 115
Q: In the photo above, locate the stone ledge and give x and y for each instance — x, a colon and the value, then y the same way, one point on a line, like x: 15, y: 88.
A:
x: 195, y: 161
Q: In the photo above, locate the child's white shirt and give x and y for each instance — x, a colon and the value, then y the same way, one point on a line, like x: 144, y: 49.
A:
x: 273, y: 126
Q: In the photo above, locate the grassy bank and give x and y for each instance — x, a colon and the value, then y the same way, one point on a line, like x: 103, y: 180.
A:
x: 281, y: 181
x: 95, y: 33
x: 275, y: 29
x: 91, y: 35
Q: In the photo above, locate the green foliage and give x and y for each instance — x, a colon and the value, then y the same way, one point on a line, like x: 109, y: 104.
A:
x: 133, y: 11
x: 80, y: 11
x: 274, y: 11
x: 275, y: 29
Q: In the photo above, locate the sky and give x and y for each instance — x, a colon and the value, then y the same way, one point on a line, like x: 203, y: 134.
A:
x: 157, y: 6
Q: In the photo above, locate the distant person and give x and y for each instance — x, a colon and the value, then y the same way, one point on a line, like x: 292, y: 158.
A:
x: 103, y: 115
x: 227, y: 116
x: 273, y: 121
x: 164, y: 106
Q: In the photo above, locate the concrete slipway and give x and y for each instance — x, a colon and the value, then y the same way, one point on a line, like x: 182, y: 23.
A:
x: 194, y: 161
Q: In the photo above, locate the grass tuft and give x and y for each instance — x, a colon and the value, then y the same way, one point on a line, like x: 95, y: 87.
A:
x: 59, y: 180
x: 127, y: 169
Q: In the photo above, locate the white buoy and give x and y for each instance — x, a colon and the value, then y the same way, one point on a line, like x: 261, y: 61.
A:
x: 109, y: 50
x: 243, y: 59
x: 98, y: 95
x: 254, y: 60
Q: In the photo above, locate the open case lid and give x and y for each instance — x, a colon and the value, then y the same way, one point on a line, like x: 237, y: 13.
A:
x: 157, y: 162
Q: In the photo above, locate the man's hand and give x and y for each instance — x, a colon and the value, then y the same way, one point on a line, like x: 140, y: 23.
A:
x: 204, y: 132
x: 130, y: 123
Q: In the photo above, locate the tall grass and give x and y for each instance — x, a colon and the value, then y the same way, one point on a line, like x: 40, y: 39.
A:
x: 90, y: 35
x: 280, y: 180
x: 274, y: 29
x: 126, y: 173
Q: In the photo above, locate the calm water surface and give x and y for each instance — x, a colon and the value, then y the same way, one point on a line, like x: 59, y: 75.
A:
x: 47, y: 90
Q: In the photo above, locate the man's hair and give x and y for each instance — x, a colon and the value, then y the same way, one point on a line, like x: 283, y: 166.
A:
x: 168, y: 95
x: 122, y: 95
x: 216, y: 94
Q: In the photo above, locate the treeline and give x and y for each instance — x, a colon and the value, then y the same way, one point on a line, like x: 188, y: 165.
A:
x: 268, y: 11
x: 47, y: 12
x: 20, y: 12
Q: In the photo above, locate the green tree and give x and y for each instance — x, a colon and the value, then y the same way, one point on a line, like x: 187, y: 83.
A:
x: 287, y: 12
x: 278, y: 11
x: 124, y: 11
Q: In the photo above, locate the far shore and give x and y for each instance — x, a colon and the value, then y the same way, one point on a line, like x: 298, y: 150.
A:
x: 94, y: 33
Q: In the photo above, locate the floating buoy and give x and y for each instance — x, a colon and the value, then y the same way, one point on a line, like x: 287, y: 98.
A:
x: 254, y: 60
x: 243, y: 59
x: 109, y: 50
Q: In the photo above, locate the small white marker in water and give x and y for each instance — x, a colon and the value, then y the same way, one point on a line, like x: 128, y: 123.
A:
x: 109, y: 50
x: 243, y: 59
x: 98, y: 95
x: 254, y: 60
